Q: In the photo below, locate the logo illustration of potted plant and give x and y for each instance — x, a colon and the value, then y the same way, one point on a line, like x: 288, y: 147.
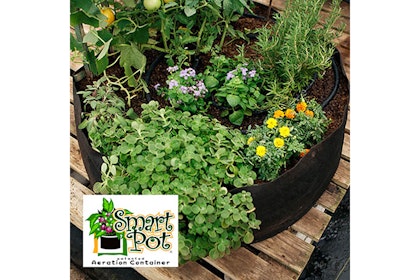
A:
x: 101, y: 226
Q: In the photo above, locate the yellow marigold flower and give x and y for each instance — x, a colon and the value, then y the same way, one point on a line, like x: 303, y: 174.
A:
x: 271, y: 123
x: 301, y: 106
x: 284, y: 131
x: 278, y: 142
x: 290, y: 114
x: 261, y: 151
x: 309, y: 113
x: 278, y: 114
x: 250, y: 139
x: 304, y: 152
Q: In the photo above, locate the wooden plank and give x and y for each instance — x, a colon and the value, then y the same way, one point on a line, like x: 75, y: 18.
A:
x: 76, y: 61
x: 342, y: 175
x: 313, y: 224
x: 241, y: 264
x: 190, y: 270
x: 345, y: 152
x: 332, y: 197
x: 76, y: 162
x: 73, y: 130
x: 71, y: 89
x: 287, y: 249
x: 77, y: 191
x: 347, y: 128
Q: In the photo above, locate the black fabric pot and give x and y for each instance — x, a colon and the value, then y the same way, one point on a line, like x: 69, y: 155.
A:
x: 279, y: 203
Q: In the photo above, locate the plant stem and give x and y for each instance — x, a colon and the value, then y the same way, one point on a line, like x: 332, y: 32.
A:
x: 79, y: 35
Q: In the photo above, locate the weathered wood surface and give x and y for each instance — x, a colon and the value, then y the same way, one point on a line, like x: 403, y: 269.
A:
x: 283, y: 256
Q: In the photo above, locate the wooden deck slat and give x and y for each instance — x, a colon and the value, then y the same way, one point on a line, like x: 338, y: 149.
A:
x: 347, y: 129
x: 241, y: 264
x: 71, y: 89
x: 287, y: 249
x: 76, y: 162
x: 342, y: 175
x: 73, y: 129
x: 345, y: 153
x: 190, y: 270
x: 332, y: 197
x: 313, y: 224
x: 77, y: 191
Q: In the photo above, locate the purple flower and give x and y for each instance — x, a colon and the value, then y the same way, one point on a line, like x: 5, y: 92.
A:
x: 252, y: 73
x: 183, y: 89
x: 101, y: 219
x: 197, y: 93
x: 172, y: 69
x: 244, y: 70
x: 189, y: 72
x: 103, y: 226
x: 156, y: 86
x: 108, y: 230
x: 172, y: 83
x: 230, y: 75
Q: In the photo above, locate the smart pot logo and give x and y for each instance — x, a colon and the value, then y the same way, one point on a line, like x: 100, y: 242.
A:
x: 130, y: 231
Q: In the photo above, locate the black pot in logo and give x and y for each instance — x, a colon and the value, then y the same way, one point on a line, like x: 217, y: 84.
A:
x: 110, y: 242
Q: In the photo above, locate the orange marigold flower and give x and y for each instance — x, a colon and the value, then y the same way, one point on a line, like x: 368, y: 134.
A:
x: 290, y: 114
x: 278, y: 142
x: 278, y: 114
x: 261, y: 151
x: 309, y: 113
x: 271, y: 123
x: 304, y: 152
x: 301, y: 106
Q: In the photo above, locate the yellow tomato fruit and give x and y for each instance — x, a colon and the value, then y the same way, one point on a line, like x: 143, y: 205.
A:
x: 109, y: 14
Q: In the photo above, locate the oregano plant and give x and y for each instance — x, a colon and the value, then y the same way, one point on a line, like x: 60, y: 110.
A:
x: 166, y: 151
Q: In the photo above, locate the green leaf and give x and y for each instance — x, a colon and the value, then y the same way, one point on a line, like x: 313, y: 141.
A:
x: 91, y: 37
x: 113, y: 159
x: 130, y: 3
x: 105, y: 49
x: 211, y: 82
x: 141, y: 35
x: 248, y: 238
x: 80, y: 17
x: 233, y: 100
x: 74, y: 44
x: 189, y: 11
x: 94, y: 228
x: 131, y: 56
x: 236, y: 117
x: 200, y: 219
